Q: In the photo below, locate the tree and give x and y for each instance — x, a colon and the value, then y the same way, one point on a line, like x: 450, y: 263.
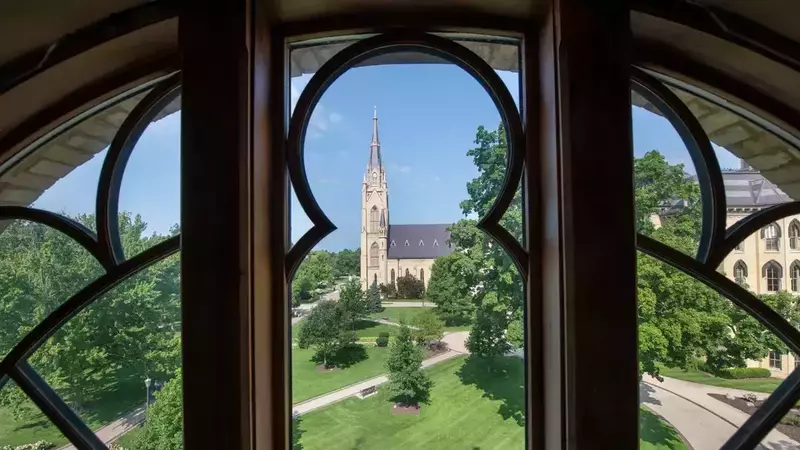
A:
x: 374, y: 299
x: 450, y: 286
x: 346, y: 263
x: 408, y: 286
x: 429, y: 328
x: 128, y: 334
x: 353, y: 302
x: 325, y: 329
x: 163, y: 427
x: 408, y: 383
x: 497, y: 286
x: 314, y: 271
x: 387, y: 290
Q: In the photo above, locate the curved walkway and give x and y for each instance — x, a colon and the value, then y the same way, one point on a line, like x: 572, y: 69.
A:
x: 454, y: 340
x: 706, y: 423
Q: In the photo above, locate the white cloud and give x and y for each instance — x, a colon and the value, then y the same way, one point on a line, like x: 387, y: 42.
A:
x: 399, y: 168
x: 321, y: 118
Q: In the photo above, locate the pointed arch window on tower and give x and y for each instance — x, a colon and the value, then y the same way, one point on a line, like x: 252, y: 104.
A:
x: 373, y: 255
x: 373, y: 219
x: 794, y: 275
x: 794, y: 235
x: 374, y: 177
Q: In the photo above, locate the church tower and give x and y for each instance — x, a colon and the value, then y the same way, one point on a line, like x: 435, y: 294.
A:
x: 374, y: 214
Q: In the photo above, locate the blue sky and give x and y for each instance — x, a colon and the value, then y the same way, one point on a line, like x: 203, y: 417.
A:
x: 428, y: 117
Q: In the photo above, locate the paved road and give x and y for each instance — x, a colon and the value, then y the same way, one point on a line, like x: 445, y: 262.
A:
x: 706, y: 423
x: 457, y: 348
x: 117, y: 428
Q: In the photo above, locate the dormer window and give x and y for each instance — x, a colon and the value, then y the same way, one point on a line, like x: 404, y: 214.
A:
x: 421, y: 244
x: 392, y: 244
x: 407, y: 244
x: 435, y: 243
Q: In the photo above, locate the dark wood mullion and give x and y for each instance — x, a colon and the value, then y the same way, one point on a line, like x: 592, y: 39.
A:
x: 51, y: 404
x: 215, y: 40
x: 586, y: 141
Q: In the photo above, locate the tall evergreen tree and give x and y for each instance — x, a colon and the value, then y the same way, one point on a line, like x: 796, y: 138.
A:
x: 408, y: 383
x: 374, y: 298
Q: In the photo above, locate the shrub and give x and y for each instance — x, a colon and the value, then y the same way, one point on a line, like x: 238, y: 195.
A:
x: 749, y: 372
x: 38, y: 445
x: 384, y: 334
x: 409, y: 286
x: 382, y: 341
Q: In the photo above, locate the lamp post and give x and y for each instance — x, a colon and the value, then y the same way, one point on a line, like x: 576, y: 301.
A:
x: 147, y: 382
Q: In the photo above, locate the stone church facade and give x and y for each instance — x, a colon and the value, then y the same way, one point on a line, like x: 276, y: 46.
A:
x: 389, y: 251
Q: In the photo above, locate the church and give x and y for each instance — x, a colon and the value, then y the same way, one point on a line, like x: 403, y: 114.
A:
x: 390, y: 251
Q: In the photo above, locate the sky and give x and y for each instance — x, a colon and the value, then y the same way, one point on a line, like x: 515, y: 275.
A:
x: 428, y: 117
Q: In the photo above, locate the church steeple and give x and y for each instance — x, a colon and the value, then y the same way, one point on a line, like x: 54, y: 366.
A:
x: 375, y: 147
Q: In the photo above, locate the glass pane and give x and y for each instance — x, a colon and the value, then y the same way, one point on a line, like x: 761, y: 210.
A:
x: 40, y: 268
x: 414, y: 159
x: 22, y: 422
x: 149, y: 198
x: 122, y: 355
x: 668, y: 203
x: 61, y: 174
x: 698, y: 352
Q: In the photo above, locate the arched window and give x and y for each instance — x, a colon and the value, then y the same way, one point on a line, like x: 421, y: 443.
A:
x: 772, y: 273
x: 373, y: 255
x: 422, y: 276
x: 794, y: 235
x: 406, y: 272
x: 794, y: 275
x: 375, y: 278
x: 771, y: 234
x: 373, y: 219
x: 740, y: 272
x: 392, y: 277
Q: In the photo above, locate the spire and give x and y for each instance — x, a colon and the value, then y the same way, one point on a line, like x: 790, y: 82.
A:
x: 375, y: 147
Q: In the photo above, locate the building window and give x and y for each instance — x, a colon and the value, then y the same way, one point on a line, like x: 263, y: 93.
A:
x: 407, y: 244
x: 794, y: 275
x: 392, y: 244
x: 421, y: 244
x: 772, y: 273
x: 406, y: 272
x: 794, y: 235
x: 796, y: 360
x: 771, y: 234
x: 422, y: 276
x: 775, y: 360
x: 373, y: 255
x: 392, y: 277
x: 435, y: 243
x: 375, y: 278
x: 373, y: 219
x: 740, y: 272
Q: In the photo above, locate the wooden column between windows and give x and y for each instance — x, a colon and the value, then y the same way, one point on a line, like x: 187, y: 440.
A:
x: 233, y: 198
x: 588, y: 246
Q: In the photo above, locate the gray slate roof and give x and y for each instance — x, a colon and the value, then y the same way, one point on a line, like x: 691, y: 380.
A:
x: 748, y: 188
x: 424, y: 241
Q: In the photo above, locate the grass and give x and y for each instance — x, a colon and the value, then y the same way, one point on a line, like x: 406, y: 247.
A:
x: 114, y: 401
x: 766, y: 385
x: 307, y: 382
x: 656, y: 434
x: 128, y: 439
x: 408, y: 313
x: 471, y: 408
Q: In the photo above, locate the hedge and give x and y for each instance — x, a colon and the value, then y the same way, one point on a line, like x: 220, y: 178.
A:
x: 749, y: 372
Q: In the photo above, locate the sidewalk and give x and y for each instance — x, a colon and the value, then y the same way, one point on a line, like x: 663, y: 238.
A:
x: 419, y: 304
x: 706, y: 423
x: 117, y: 428
x: 353, y: 389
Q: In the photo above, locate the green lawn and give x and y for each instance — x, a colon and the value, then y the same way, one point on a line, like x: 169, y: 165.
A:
x: 408, y: 313
x: 307, y: 382
x: 657, y: 434
x: 757, y: 385
x: 117, y: 400
x: 470, y: 408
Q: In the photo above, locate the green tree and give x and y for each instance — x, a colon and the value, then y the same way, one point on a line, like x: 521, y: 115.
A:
x: 450, y: 286
x: 408, y: 286
x: 315, y: 270
x: 163, y: 427
x: 325, y: 329
x: 353, y: 302
x: 408, y: 383
x: 429, y: 328
x: 128, y: 334
x: 346, y: 263
x: 374, y: 299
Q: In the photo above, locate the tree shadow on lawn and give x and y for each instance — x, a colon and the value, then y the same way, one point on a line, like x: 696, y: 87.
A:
x: 656, y: 431
x: 345, y: 357
x: 457, y: 321
x: 500, y: 378
x: 44, y: 423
